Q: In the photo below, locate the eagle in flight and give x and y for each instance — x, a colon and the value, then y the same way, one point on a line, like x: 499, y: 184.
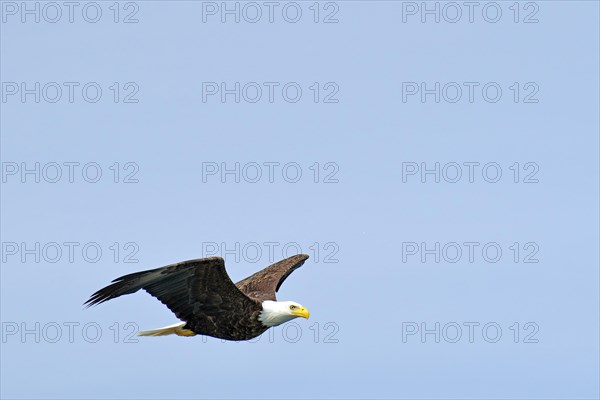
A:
x: 201, y: 294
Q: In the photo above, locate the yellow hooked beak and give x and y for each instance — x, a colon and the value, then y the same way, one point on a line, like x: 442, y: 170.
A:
x: 301, y: 312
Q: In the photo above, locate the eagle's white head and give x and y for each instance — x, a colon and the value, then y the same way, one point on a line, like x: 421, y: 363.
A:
x: 277, y: 312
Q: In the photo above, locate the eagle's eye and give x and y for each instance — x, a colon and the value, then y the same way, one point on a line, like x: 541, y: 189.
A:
x: 292, y: 307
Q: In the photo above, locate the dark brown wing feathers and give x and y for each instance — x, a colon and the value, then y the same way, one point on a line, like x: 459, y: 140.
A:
x: 264, y: 284
x: 131, y: 283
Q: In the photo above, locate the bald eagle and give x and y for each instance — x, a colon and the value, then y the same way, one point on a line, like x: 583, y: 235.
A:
x: 201, y: 294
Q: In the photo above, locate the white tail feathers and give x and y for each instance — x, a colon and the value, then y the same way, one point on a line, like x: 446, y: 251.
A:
x: 175, y: 329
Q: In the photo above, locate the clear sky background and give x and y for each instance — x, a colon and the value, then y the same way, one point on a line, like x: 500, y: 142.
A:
x: 520, y: 324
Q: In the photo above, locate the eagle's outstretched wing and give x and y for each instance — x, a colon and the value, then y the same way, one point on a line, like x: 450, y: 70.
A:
x: 263, y: 284
x: 198, y: 291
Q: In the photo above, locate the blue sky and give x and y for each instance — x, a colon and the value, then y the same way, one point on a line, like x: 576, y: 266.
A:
x: 442, y: 175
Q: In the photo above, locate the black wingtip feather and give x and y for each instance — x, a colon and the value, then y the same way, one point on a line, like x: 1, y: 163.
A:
x: 118, y: 287
x: 101, y: 296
